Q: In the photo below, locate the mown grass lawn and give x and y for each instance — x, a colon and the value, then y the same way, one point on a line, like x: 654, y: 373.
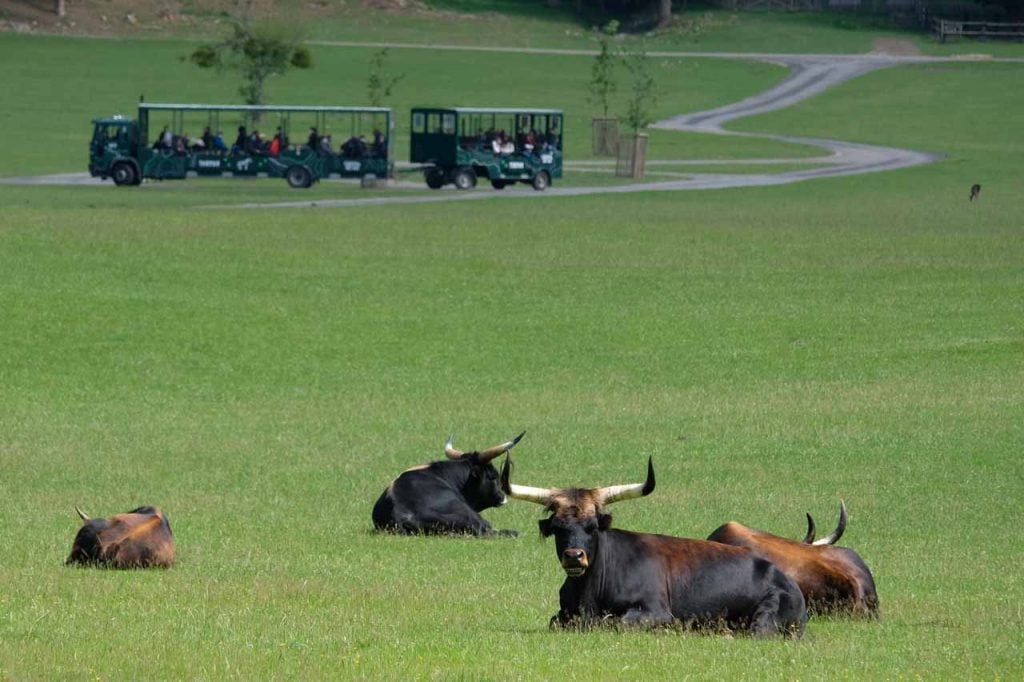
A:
x: 262, y: 375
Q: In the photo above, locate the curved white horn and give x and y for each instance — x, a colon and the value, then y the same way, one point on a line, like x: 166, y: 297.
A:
x: 617, y: 493
x: 833, y: 537
x: 82, y: 515
x: 451, y: 452
x: 490, y: 453
x: 523, y: 492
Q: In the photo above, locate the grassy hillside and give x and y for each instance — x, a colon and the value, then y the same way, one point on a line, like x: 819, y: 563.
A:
x: 262, y: 375
x: 488, y: 23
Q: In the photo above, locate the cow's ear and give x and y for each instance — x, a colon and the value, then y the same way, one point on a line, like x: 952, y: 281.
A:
x: 545, y: 527
x: 604, y: 521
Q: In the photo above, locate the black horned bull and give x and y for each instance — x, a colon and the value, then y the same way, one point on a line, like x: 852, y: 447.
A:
x: 832, y: 579
x: 656, y: 579
x: 140, y: 538
x: 445, y: 496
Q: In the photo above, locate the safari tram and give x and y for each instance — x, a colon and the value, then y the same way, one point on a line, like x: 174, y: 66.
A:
x: 456, y: 146
x: 226, y: 140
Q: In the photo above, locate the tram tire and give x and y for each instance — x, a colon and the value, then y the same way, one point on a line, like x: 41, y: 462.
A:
x: 435, y: 178
x: 299, y: 177
x: 541, y: 181
x: 464, y: 178
x: 124, y: 174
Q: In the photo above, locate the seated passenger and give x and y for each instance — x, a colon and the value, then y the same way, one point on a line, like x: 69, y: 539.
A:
x: 380, y: 144
x: 180, y: 143
x: 255, y: 143
x: 163, y: 140
x: 207, y: 138
x: 241, y: 142
x: 505, y: 145
x: 325, y: 144
x: 283, y: 136
x: 529, y: 142
x: 354, y: 147
x: 313, y: 141
x: 552, y: 141
x: 218, y: 143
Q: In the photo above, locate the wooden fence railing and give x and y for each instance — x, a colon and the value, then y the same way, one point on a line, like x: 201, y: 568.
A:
x: 944, y: 28
x: 772, y: 5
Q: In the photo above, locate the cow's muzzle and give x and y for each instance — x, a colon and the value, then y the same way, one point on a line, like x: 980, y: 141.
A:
x: 574, y: 562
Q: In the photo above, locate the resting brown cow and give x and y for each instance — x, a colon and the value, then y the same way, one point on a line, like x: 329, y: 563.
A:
x: 832, y: 579
x: 140, y: 538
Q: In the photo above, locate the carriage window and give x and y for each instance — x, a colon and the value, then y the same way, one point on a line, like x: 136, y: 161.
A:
x: 448, y: 124
x: 419, y: 122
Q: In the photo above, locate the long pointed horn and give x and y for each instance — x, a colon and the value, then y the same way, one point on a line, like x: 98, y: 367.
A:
x: 811, y: 530
x: 82, y: 515
x: 833, y: 537
x: 490, y: 453
x: 616, y: 493
x: 451, y: 452
x: 523, y: 492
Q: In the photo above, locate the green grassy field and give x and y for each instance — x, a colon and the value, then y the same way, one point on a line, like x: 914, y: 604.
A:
x: 262, y: 375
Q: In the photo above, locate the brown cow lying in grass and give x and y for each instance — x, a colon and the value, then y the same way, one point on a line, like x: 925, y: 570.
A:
x: 140, y: 538
x: 832, y: 579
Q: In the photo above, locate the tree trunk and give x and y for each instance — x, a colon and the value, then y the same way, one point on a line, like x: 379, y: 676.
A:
x: 664, y: 11
x: 58, y: 7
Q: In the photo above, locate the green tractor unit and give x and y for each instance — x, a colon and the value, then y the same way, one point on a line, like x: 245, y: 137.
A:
x: 225, y: 142
x: 460, y: 145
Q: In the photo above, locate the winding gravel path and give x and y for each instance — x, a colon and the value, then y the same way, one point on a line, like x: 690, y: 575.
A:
x: 809, y: 76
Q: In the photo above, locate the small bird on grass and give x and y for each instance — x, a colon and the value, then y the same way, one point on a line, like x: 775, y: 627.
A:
x: 975, y: 191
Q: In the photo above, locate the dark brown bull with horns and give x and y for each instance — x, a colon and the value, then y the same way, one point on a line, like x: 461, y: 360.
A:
x: 655, y: 579
x: 140, y: 538
x: 445, y: 496
x: 832, y: 579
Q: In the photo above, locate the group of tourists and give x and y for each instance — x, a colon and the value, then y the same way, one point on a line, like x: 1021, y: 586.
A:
x: 526, y: 142
x: 255, y: 144
x: 355, y: 147
x: 182, y: 144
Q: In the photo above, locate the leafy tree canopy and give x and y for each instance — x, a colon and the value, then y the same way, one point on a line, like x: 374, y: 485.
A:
x: 256, y: 51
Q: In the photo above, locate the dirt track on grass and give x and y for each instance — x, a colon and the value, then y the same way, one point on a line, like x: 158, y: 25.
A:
x: 809, y: 76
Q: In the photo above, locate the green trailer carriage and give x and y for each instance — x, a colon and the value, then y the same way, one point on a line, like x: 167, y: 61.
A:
x: 352, y: 142
x: 503, y: 145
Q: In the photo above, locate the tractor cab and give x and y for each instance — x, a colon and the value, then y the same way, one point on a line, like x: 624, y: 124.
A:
x: 113, y: 150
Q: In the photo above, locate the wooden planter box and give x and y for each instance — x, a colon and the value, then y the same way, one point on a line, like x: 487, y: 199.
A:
x: 632, y: 157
